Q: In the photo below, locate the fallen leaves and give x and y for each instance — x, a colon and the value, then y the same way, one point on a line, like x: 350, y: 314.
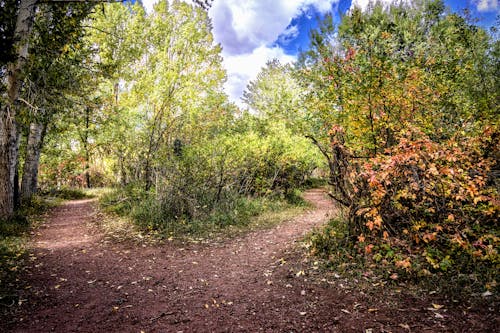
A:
x: 437, y: 306
x: 405, y: 326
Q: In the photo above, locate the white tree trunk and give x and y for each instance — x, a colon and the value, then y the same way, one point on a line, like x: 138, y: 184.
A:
x: 8, y: 126
x: 29, y: 182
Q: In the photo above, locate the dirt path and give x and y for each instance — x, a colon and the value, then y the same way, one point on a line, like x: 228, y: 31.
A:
x: 253, y: 283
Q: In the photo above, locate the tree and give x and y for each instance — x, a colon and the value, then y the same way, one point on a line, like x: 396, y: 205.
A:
x: 54, y: 73
x: 178, y: 86
x: 275, y: 94
x: 9, y: 102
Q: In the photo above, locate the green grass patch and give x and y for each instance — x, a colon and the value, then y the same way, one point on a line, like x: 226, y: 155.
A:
x: 66, y: 193
x: 233, y: 215
x: 13, y: 248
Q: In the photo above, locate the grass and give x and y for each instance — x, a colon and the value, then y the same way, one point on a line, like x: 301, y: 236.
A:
x: 66, y: 193
x: 134, y: 214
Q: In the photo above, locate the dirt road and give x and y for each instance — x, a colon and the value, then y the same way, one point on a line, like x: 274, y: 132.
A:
x: 253, y: 283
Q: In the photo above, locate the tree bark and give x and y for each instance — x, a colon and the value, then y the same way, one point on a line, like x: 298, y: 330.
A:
x: 86, y: 148
x: 29, y: 183
x: 8, y: 126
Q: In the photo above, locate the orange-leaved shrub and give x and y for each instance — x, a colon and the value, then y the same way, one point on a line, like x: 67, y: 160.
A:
x: 425, y: 207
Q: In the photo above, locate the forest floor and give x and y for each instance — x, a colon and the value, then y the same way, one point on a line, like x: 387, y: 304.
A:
x: 258, y: 282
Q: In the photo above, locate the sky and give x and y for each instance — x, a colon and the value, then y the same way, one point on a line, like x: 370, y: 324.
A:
x: 253, y: 32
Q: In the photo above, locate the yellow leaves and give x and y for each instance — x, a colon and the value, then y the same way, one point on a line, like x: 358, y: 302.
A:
x: 374, y: 219
x: 385, y: 35
x: 457, y: 239
x: 405, y: 264
x: 432, y: 170
x: 436, y: 307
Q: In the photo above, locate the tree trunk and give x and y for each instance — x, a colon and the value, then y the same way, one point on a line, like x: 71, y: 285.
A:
x: 17, y: 193
x: 29, y: 182
x: 8, y: 160
x: 8, y: 126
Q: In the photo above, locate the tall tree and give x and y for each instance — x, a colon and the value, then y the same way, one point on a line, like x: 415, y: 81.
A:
x: 55, y: 76
x: 12, y: 79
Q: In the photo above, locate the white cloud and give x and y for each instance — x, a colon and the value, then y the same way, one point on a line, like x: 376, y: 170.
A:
x: 247, y: 29
x: 486, y: 5
x: 241, y: 26
x: 289, y: 34
x: 148, y: 5
x: 243, y: 68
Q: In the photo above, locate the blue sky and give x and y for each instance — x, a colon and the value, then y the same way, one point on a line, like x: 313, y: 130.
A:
x: 307, y: 21
x: 253, y: 32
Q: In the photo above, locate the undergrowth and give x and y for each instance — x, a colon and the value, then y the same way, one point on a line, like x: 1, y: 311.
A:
x: 463, y: 280
x: 234, y: 214
x: 67, y: 193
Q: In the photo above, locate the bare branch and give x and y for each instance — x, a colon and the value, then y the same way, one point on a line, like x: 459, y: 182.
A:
x: 320, y: 147
x: 27, y: 103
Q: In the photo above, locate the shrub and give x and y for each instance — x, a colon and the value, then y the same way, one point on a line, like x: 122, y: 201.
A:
x: 423, y: 207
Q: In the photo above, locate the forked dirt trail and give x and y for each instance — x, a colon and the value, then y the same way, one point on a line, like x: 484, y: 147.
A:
x: 253, y: 283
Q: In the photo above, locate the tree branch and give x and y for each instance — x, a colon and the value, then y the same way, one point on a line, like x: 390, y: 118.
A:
x: 340, y: 201
x: 320, y: 147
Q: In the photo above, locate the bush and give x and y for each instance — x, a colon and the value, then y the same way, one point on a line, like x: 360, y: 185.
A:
x: 424, y: 208
x: 66, y: 193
x: 166, y: 217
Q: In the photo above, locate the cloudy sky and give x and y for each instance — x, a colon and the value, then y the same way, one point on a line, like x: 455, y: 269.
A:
x: 252, y: 32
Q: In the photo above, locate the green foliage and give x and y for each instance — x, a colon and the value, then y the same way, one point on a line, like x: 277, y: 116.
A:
x: 7, y: 25
x: 66, y: 193
x: 12, y: 251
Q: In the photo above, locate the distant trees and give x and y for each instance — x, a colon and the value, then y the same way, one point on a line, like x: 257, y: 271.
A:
x: 153, y: 118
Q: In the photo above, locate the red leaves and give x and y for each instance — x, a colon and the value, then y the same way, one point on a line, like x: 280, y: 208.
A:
x: 350, y: 54
x: 436, y: 190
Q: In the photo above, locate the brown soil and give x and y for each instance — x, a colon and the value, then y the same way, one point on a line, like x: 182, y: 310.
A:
x: 259, y: 282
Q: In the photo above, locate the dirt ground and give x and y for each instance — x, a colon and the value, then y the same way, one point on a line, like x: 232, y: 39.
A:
x: 259, y: 282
